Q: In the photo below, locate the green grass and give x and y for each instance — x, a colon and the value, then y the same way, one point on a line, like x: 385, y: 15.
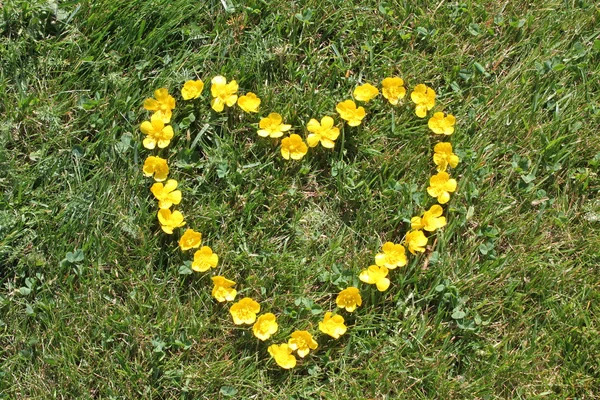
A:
x: 504, y: 305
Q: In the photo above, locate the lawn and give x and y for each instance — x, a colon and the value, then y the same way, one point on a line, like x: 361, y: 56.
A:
x: 97, y: 302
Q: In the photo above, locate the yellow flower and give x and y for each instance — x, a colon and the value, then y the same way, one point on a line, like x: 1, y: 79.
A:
x: 393, y: 89
x: 440, y: 186
x: 192, y: 89
x: 156, y: 166
x: 223, y: 93
x: 249, y: 102
x: 223, y: 289
x: 157, y: 133
x: 443, y: 156
x: 375, y: 275
x: 204, y: 259
x: 265, y: 326
x: 244, y: 311
x: 323, y: 132
x: 163, y: 105
x: 333, y: 325
x: 170, y: 220
x: 442, y: 123
x: 431, y: 219
x: 393, y: 256
x: 424, y: 97
x: 283, y: 355
x: 366, y: 92
x: 272, y: 126
x: 349, y: 299
x: 294, y: 147
x: 416, y: 241
x: 166, y: 195
x: 302, y: 342
x: 348, y: 111
x: 190, y: 239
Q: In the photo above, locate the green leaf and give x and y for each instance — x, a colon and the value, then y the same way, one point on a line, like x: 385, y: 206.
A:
x: 434, y: 257
x: 474, y: 29
x: 88, y: 103
x: 480, y: 68
x: 304, y: 17
x: 422, y: 31
x: 458, y: 314
x: 75, y: 257
x: 228, y: 391
x: 24, y: 291
x: 124, y: 144
x: 528, y: 178
x: 78, y: 151
x: 185, y: 270
x: 470, y: 212
x: 483, y: 249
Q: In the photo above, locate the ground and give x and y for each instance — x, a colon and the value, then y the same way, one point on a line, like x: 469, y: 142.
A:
x: 96, y: 302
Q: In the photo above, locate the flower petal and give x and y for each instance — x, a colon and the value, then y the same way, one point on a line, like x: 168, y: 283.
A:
x: 383, y: 284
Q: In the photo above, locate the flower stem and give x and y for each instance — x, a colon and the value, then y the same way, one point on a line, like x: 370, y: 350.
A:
x: 343, y: 136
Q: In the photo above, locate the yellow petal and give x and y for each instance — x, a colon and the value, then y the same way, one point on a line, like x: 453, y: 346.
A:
x: 263, y: 133
x: 436, y: 210
x: 151, y: 105
x: 149, y: 143
x: 365, y: 277
x: 450, y: 185
x: 327, y: 122
x: 453, y: 160
x: 443, y: 198
x: 217, y: 104
x: 147, y: 128
x: 327, y: 143
x: 231, y: 100
x: 416, y: 223
x: 170, y: 185
x: 383, y: 284
x: 380, y: 259
x: 161, y: 95
x: 313, y: 126
x: 218, y: 80
x: 313, y: 140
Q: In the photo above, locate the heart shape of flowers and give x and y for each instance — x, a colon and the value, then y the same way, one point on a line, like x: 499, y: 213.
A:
x: 322, y: 131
